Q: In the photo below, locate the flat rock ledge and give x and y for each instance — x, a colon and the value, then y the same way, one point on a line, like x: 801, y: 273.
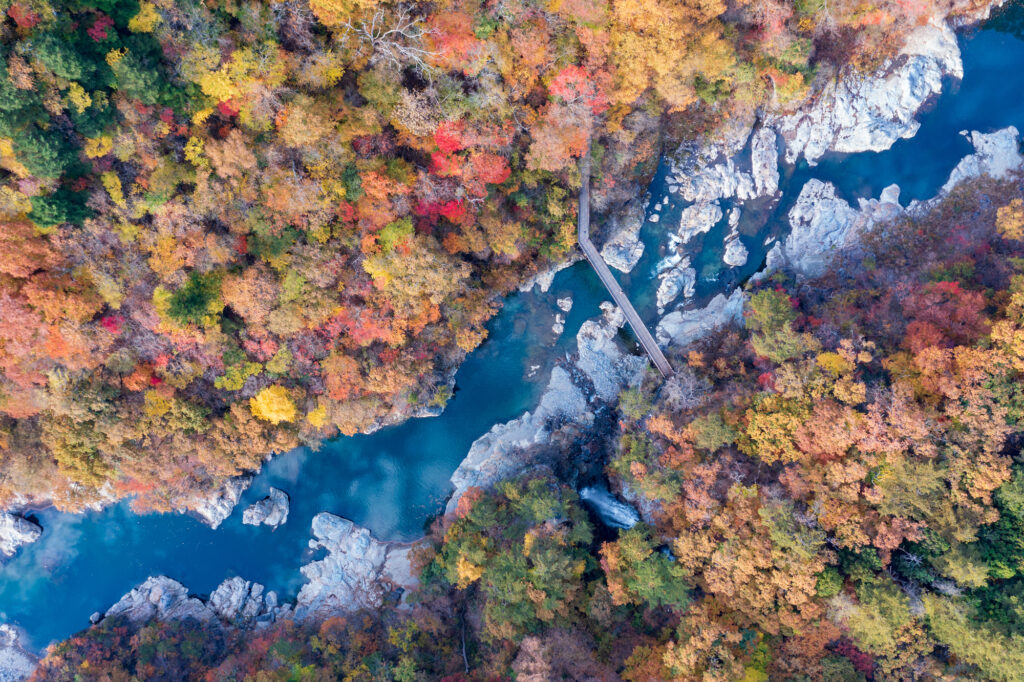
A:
x: 215, y: 508
x: 271, y: 511
x: 16, y: 532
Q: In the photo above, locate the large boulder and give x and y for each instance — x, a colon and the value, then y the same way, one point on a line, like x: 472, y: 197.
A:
x: 622, y: 249
x: 15, y: 532
x: 271, y: 511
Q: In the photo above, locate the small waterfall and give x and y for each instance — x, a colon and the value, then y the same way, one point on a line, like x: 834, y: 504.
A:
x: 612, y: 512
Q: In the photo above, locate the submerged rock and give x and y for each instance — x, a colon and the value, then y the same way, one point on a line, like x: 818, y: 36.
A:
x: 16, y: 532
x: 214, y: 509
x: 869, y: 113
x: 16, y: 664
x: 612, y: 512
x: 682, y: 327
x: 358, y: 572
x: 622, y: 249
x: 271, y: 511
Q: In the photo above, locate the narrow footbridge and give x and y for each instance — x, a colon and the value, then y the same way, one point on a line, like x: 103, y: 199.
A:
x: 597, y: 262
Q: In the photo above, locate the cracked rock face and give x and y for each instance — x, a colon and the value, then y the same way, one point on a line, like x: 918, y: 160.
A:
x: 995, y: 154
x: 493, y: 456
x: 601, y: 370
x: 215, y: 508
x: 358, y: 571
x: 271, y: 511
x: 764, y: 161
x: 677, y: 277
x: 623, y: 248
x: 160, y: 598
x: 869, y: 113
x: 682, y: 327
x: 16, y: 532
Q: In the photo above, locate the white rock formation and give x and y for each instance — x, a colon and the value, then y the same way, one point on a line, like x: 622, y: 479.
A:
x: 215, y: 508
x: 995, y: 154
x: 622, y: 249
x: 358, y: 572
x: 601, y: 359
x: 543, y: 280
x: 735, y: 254
x: 823, y: 225
x: 682, y: 327
x: 869, y: 113
x: 696, y: 219
x: 16, y: 664
x: 161, y: 598
x: 764, y: 161
x: 16, y: 532
x: 564, y: 304
x: 271, y: 511
x: 492, y: 457
x: 559, y: 326
x: 239, y: 601
x: 677, y: 277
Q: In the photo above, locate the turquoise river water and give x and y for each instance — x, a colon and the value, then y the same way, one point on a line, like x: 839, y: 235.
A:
x: 396, y: 480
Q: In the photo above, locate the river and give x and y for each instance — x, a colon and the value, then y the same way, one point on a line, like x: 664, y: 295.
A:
x: 396, y: 480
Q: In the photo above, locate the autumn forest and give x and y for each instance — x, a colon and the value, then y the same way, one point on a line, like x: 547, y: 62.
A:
x: 231, y: 228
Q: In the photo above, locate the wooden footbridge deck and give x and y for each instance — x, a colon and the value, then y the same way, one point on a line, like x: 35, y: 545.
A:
x: 597, y: 262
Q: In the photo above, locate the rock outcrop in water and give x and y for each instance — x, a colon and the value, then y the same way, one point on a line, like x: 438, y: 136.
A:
x: 858, y: 113
x: 600, y: 371
x: 683, y: 327
x: 358, y: 572
x: 824, y: 225
x: 16, y: 664
x: 622, y: 249
x: 16, y: 532
x: 215, y: 508
x: 271, y: 511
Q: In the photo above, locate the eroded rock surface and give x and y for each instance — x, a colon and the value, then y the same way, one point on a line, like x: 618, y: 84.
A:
x: 160, y: 598
x: 16, y: 664
x: 215, y: 508
x: 682, y: 327
x: 492, y: 457
x: 358, y: 572
x: 859, y: 113
x: 622, y: 249
x: 995, y: 154
x: 16, y: 532
x: 271, y: 511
